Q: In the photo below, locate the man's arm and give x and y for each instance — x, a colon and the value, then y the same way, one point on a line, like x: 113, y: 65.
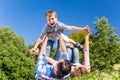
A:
x: 43, y: 50
x: 62, y: 44
x: 50, y: 60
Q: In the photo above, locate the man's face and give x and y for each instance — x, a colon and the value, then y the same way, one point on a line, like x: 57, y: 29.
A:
x: 51, y: 20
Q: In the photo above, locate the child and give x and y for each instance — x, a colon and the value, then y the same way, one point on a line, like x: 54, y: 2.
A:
x: 52, y: 26
x: 47, y: 68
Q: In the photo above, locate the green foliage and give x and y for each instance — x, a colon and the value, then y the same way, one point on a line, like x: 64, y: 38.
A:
x: 105, y: 46
x: 53, y: 52
x: 17, y: 64
x: 77, y: 36
x: 15, y: 61
x: 99, y: 75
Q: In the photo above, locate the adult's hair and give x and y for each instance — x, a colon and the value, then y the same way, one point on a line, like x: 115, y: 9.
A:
x: 49, y: 13
x: 63, y: 69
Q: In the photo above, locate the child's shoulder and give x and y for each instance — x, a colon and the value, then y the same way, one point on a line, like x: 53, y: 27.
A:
x: 59, y: 22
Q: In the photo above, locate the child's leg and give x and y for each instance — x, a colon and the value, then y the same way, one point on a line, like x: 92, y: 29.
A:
x: 69, y: 51
x: 49, y: 47
x: 57, y: 55
x: 76, y: 56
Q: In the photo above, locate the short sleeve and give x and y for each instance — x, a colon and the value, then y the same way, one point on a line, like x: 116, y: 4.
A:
x: 44, y: 30
x: 41, y: 59
x: 64, y: 56
x: 61, y: 25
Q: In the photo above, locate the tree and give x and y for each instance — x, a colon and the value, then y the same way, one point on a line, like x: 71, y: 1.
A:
x: 106, y: 46
x: 15, y: 61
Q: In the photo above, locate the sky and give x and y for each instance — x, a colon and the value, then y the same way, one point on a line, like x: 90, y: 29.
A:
x: 27, y: 17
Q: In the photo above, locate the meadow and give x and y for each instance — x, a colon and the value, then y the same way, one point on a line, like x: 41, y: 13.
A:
x: 99, y: 75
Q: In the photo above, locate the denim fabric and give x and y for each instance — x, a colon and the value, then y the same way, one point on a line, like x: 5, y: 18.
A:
x: 50, y: 44
x: 73, y: 54
x: 57, y: 55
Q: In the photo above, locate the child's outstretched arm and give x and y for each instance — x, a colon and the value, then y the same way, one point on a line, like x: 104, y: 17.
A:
x: 34, y: 50
x: 76, y: 28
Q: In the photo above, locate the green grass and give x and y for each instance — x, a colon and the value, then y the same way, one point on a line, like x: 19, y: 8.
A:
x: 98, y: 75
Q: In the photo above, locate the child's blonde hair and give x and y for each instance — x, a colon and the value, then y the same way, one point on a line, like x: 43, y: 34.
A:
x: 49, y: 13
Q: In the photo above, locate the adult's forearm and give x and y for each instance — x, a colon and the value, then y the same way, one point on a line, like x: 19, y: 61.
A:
x: 62, y: 44
x: 50, y: 60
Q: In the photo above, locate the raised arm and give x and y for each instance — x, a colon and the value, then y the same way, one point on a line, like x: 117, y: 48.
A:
x: 62, y: 44
x: 86, y: 65
x: 43, y: 50
x: 39, y: 41
x: 87, y: 33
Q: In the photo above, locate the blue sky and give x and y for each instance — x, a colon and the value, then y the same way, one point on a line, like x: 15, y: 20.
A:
x: 27, y: 17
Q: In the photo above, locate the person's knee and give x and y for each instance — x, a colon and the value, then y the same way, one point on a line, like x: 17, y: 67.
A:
x: 69, y: 50
x: 76, y: 50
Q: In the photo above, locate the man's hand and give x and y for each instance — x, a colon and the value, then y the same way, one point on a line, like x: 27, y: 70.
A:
x: 58, y: 32
x: 48, y: 34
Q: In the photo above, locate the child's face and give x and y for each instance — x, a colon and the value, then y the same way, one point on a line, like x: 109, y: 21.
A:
x: 52, y: 20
